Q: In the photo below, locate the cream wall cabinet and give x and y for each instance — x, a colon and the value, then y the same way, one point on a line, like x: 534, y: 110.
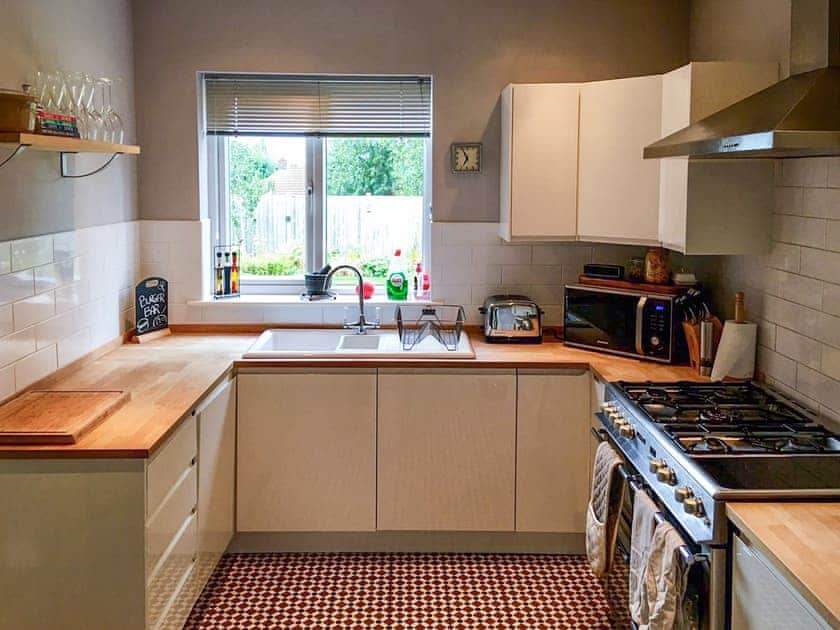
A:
x: 116, y: 543
x: 713, y: 206
x: 446, y: 450
x: 307, y: 451
x: 539, y: 156
x: 762, y: 599
x: 552, y: 447
x: 618, y: 191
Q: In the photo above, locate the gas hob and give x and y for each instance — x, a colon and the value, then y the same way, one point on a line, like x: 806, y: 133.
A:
x: 698, y: 445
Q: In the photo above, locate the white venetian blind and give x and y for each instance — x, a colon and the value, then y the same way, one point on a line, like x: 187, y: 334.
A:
x: 276, y: 105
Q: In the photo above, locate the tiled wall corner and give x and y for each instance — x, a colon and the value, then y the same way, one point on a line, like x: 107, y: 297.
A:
x: 178, y: 251
x: 794, y: 291
x: 61, y: 296
x: 470, y: 262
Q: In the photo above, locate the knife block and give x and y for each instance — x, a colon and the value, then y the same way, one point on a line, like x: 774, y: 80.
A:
x: 692, y: 340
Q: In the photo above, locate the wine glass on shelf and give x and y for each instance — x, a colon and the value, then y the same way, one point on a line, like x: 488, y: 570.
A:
x: 96, y: 128
x: 114, y: 123
x: 76, y: 88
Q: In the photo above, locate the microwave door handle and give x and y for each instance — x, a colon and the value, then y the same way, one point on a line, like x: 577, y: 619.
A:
x: 640, y: 316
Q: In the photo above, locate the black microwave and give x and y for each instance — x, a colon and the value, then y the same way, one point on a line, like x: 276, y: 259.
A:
x: 630, y: 323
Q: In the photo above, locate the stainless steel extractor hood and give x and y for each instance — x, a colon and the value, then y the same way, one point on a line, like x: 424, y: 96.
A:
x: 797, y: 117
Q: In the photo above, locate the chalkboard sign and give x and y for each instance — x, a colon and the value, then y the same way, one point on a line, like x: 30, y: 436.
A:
x: 151, y: 301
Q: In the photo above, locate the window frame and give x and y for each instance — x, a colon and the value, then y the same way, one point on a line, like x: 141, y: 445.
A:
x: 315, y: 239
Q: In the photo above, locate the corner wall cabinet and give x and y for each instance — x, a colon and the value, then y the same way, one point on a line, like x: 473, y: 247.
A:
x: 618, y: 191
x: 712, y: 206
x: 64, y: 147
x: 559, y: 171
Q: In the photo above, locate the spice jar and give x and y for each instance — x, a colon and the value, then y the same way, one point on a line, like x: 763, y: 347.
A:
x: 656, y: 266
x: 636, y: 270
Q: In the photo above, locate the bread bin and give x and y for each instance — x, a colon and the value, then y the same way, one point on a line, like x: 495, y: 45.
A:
x: 17, y: 112
x: 512, y: 319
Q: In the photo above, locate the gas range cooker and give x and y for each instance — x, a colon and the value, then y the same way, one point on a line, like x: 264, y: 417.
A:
x: 697, y: 445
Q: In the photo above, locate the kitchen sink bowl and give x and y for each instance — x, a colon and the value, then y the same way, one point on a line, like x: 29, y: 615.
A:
x: 334, y: 344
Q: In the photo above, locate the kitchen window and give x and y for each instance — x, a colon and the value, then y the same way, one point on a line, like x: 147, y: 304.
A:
x: 312, y: 170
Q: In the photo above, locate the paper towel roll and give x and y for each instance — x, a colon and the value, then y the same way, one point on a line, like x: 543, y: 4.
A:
x: 736, y: 352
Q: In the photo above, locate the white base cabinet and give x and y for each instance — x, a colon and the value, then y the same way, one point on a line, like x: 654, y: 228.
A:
x: 446, y: 450
x: 762, y: 599
x: 307, y: 451
x: 119, y: 543
x: 552, y: 450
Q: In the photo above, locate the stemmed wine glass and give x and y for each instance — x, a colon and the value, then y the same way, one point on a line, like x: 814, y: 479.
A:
x: 113, y: 121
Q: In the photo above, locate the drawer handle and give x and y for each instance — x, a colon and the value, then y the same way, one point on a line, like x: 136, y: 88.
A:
x: 192, y: 462
x: 194, y: 510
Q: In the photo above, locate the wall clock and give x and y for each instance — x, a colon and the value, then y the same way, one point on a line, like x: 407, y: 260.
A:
x: 466, y: 157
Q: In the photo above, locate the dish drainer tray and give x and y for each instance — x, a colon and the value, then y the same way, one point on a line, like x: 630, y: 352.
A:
x: 444, y: 322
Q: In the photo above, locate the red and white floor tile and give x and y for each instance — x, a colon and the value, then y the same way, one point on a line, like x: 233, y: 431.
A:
x: 350, y: 590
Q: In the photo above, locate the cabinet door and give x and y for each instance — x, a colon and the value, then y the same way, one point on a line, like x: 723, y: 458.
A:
x: 762, y: 599
x: 552, y: 450
x: 618, y: 191
x: 539, y: 161
x: 446, y: 450
x: 216, y: 473
x: 307, y: 451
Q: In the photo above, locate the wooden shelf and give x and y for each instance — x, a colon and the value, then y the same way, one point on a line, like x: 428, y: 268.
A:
x: 42, y: 142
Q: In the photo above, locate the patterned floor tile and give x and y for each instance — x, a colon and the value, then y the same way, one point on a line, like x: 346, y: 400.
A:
x: 446, y: 591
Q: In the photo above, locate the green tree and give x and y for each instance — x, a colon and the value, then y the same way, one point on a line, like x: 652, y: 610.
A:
x: 250, y: 166
x: 376, y: 166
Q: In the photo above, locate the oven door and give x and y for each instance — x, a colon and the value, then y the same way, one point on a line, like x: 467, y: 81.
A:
x: 697, y: 562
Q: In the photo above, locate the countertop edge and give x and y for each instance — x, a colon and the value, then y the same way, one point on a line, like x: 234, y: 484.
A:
x: 801, y: 588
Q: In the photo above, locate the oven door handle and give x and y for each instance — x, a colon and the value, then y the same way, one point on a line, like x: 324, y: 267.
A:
x: 640, y: 318
x: 688, y: 557
x: 598, y: 434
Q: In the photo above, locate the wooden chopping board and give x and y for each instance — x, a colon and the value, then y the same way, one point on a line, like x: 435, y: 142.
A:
x: 56, y: 417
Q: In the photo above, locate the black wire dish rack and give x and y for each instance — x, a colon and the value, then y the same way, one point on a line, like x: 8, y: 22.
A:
x: 444, y: 322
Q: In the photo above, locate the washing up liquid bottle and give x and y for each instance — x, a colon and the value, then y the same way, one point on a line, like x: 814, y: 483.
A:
x: 396, y: 281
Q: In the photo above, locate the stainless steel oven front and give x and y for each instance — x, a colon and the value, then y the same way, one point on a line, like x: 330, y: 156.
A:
x: 704, y: 604
x: 630, y: 323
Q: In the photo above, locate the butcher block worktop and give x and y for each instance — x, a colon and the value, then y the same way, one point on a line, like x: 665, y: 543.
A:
x: 802, y: 540
x: 167, y: 377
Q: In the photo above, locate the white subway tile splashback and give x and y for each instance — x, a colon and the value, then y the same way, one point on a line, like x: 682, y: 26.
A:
x: 62, y: 297
x: 34, y: 309
x: 15, y: 286
x: 35, y: 367
x: 795, y: 290
x: 31, y: 252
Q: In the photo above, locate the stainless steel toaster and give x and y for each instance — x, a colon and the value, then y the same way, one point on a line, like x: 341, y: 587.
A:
x: 512, y: 319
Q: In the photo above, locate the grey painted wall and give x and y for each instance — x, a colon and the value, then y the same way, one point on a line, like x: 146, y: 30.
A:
x: 741, y: 30
x: 473, y: 48
x: 93, y: 36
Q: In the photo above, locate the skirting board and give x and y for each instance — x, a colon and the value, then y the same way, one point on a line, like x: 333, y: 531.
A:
x: 408, y: 542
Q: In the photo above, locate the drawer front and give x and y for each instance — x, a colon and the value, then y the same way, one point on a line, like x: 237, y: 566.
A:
x: 168, y: 576
x: 169, y: 464
x: 166, y: 522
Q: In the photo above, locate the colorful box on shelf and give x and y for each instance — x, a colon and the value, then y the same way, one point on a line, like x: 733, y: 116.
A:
x: 56, y: 125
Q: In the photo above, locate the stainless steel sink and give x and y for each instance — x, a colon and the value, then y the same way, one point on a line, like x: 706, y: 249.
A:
x: 332, y: 344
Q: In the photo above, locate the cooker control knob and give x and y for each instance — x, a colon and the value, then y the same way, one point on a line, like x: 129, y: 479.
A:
x: 666, y: 475
x: 656, y: 464
x: 627, y: 430
x: 683, y: 493
x: 693, y: 505
x: 608, y: 406
x: 617, y: 419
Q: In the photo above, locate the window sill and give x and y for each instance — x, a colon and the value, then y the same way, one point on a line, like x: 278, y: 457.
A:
x: 295, y: 300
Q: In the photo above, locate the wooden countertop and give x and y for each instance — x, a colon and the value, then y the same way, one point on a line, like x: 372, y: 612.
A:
x: 802, y: 541
x: 167, y: 377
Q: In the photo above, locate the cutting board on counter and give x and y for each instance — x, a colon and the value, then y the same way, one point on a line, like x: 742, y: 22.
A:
x: 56, y: 417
